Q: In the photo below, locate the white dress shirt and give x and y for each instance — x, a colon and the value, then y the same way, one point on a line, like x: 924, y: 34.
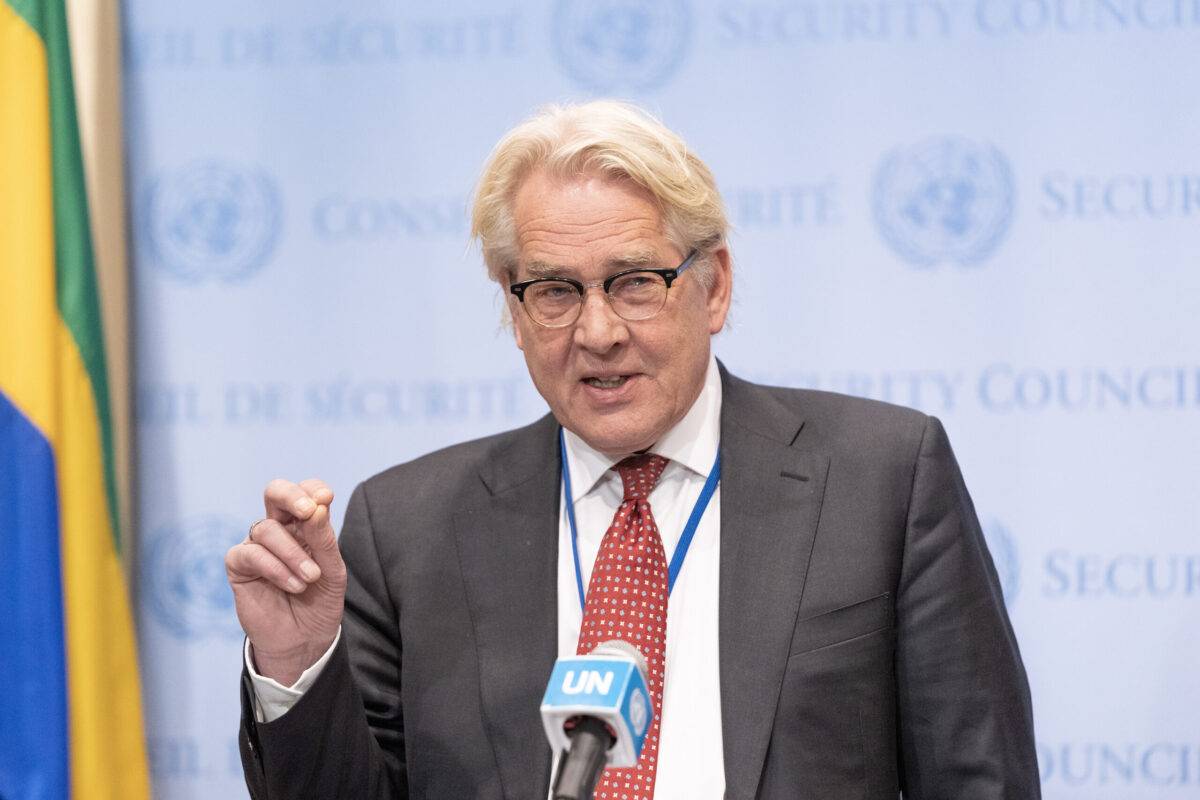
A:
x: 691, y: 761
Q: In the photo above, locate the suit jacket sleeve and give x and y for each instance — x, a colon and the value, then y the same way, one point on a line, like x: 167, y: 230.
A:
x: 345, y: 736
x: 966, y: 723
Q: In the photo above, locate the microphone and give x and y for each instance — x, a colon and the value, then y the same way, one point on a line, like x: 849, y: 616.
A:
x: 596, y: 712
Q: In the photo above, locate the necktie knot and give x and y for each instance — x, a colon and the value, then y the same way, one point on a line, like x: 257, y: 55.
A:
x: 639, y: 474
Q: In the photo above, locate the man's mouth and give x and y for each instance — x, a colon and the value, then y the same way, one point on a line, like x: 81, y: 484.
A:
x: 612, y: 382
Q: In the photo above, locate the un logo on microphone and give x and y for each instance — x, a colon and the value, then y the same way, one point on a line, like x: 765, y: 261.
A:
x: 639, y: 713
x: 183, y: 577
x: 632, y: 45
x: 1003, y: 548
x: 211, y: 220
x: 944, y: 200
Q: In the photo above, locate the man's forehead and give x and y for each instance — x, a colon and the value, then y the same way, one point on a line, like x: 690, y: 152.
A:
x: 629, y: 258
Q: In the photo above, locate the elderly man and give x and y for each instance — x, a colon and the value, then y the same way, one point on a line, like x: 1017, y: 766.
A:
x: 816, y: 604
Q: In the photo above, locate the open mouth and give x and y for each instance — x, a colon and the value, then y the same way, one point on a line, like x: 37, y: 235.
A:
x: 613, y: 382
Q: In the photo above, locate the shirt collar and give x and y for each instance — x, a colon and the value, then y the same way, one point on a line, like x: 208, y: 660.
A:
x: 691, y: 443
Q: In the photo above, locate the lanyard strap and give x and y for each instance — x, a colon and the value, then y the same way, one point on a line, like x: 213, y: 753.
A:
x: 685, y: 539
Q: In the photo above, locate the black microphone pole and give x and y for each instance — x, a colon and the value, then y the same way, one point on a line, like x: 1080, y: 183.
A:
x: 579, y: 768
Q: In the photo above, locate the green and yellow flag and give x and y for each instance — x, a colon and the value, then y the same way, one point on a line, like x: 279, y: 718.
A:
x: 70, y: 700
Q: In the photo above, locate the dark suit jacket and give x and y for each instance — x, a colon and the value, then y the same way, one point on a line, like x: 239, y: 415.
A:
x: 864, y: 646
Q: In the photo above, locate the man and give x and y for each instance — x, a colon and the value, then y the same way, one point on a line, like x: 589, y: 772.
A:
x: 833, y: 623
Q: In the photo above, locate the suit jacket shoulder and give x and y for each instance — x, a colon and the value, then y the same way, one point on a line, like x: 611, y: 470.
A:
x: 837, y: 425
x: 469, y: 466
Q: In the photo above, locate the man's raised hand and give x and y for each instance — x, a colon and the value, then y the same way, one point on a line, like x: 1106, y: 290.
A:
x: 289, y: 580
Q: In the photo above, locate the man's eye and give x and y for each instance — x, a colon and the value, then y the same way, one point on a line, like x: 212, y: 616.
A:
x: 636, y: 284
x: 555, y: 291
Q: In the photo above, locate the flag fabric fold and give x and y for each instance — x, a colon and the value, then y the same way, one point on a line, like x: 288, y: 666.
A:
x: 69, y: 682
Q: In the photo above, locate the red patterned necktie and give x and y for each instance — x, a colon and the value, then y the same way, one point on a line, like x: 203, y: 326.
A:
x: 627, y: 599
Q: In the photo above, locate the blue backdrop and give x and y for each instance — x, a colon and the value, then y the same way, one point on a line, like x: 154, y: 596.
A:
x: 986, y: 209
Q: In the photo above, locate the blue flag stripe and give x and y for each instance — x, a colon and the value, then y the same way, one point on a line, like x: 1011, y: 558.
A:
x: 33, y: 691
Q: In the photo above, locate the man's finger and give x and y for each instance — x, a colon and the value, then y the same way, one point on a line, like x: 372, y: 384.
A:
x: 285, y: 501
x: 316, y: 533
x: 248, y: 561
x: 318, y: 490
x: 280, y: 543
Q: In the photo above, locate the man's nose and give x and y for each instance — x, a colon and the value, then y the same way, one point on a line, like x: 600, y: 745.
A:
x: 598, y: 328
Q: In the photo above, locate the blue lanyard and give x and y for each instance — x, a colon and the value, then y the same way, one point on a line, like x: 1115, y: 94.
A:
x: 685, y: 540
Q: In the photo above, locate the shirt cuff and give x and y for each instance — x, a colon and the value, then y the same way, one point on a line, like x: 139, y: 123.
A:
x: 271, y: 698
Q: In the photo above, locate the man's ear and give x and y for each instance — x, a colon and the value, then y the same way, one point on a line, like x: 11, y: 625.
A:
x: 720, y: 290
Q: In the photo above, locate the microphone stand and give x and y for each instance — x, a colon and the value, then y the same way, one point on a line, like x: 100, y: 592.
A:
x: 580, y: 767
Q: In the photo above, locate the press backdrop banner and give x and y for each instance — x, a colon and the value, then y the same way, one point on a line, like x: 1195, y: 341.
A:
x: 986, y: 209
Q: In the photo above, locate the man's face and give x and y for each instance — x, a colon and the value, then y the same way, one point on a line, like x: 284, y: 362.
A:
x: 619, y: 385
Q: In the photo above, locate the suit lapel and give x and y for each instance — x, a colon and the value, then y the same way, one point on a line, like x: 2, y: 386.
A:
x: 771, y: 496
x: 507, y: 539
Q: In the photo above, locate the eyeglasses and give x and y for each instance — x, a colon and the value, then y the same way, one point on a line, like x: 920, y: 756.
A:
x: 634, y: 294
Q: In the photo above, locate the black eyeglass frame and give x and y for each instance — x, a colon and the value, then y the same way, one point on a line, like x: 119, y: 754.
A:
x: 668, y: 274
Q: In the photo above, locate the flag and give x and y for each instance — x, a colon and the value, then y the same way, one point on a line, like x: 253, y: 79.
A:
x: 70, y: 700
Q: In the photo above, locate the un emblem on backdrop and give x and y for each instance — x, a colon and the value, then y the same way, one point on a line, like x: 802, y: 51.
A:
x: 1003, y: 548
x: 183, y: 577
x: 211, y: 220
x: 608, y: 45
x: 946, y: 199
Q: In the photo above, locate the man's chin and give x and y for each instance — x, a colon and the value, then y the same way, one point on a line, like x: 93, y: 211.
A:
x: 615, y: 443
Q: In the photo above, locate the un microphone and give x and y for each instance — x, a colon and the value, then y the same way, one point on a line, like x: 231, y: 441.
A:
x: 596, y: 712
